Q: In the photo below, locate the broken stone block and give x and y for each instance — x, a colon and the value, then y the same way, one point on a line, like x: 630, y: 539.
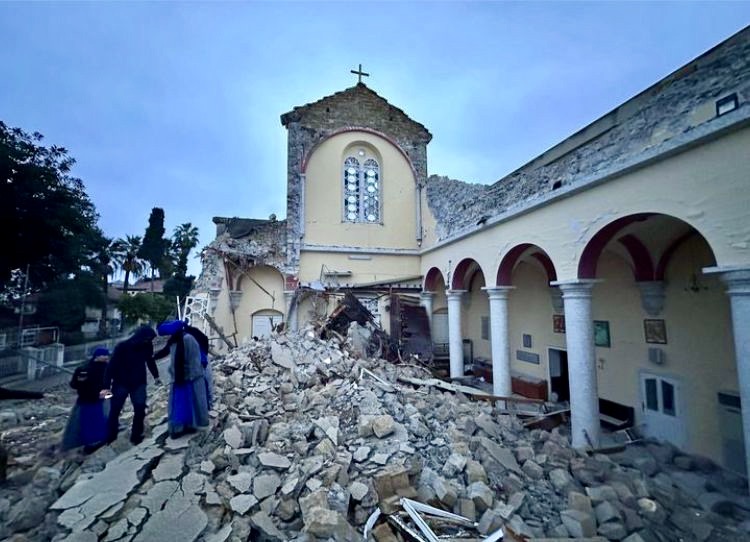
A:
x: 358, y: 490
x: 601, y: 494
x: 560, y: 479
x: 482, y: 495
x: 612, y: 531
x: 606, y: 513
x: 274, y: 461
x: 383, y: 533
x: 490, y: 522
x: 382, y: 426
x: 445, y: 492
x: 475, y: 472
x: 265, y: 485
x: 264, y: 523
x: 467, y: 509
x: 233, y: 437
x: 240, y: 481
x: 532, y: 470
x: 579, y: 524
x: 579, y: 501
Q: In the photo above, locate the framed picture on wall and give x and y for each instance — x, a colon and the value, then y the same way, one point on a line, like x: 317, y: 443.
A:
x: 558, y: 323
x: 655, y: 331
x: 526, y: 340
x: 601, y: 333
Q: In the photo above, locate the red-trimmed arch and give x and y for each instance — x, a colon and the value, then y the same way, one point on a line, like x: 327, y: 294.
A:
x: 347, y: 129
x: 643, y: 266
x: 463, y: 273
x: 661, y: 267
x: 431, y: 280
x: 505, y: 271
x: 590, y: 256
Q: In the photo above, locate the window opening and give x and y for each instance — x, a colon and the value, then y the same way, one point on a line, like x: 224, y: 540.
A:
x: 361, y: 190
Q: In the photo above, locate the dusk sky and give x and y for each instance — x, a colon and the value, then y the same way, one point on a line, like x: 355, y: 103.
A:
x: 177, y: 105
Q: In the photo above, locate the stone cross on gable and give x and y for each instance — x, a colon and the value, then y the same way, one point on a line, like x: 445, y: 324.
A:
x: 359, y: 73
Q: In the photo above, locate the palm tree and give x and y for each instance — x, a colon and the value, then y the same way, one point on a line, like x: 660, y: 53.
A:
x: 103, y: 264
x: 128, y: 259
x: 184, y: 239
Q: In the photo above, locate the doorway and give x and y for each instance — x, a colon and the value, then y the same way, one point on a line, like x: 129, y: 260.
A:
x: 264, y: 322
x: 663, y: 418
x: 558, y: 374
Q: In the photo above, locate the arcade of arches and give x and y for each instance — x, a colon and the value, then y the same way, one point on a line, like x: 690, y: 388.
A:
x: 642, y: 328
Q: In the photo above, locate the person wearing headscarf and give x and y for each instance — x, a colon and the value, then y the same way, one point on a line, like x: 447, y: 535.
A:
x: 126, y: 376
x: 199, y: 336
x: 188, y: 405
x: 87, y: 424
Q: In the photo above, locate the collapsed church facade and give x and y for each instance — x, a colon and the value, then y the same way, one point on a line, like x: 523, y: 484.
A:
x: 612, y: 271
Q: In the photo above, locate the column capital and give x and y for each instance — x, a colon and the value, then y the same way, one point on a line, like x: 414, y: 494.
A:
x: 577, y: 288
x: 736, y: 278
x: 653, y: 294
x: 454, y: 294
x: 425, y: 294
x: 498, y: 292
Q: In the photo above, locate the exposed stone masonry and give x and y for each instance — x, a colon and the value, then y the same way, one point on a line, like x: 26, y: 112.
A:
x: 673, y: 112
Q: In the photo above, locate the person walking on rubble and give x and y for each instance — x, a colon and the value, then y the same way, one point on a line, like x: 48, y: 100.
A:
x: 199, y: 336
x: 126, y: 376
x: 188, y: 405
x: 87, y: 424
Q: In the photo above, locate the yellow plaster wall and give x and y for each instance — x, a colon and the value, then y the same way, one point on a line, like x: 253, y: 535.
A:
x: 324, y: 194
x: 705, y: 187
x: 254, y: 299
x: 378, y: 267
x: 475, y: 305
x: 530, y: 311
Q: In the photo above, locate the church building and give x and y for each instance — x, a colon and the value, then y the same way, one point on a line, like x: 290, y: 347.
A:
x: 611, y: 271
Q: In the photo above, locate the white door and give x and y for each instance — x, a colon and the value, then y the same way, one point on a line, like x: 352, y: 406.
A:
x: 263, y: 324
x: 663, y: 418
x: 440, y: 328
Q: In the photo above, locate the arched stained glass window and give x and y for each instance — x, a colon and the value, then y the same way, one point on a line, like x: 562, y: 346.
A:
x: 361, y: 190
x: 352, y: 205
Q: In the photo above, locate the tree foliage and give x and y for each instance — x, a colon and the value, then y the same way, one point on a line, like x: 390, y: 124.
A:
x: 184, y: 239
x: 128, y: 260
x: 154, y: 308
x: 64, y: 303
x: 154, y: 246
x: 48, y: 220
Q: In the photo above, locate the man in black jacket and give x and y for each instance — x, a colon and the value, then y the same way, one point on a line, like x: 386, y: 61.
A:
x: 126, y: 376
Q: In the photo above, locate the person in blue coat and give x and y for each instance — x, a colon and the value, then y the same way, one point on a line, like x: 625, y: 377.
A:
x: 87, y: 424
x: 188, y: 404
x: 203, y: 344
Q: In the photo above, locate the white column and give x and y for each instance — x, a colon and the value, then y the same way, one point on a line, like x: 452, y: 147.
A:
x: 291, y: 313
x: 499, y: 340
x: 584, y: 393
x: 739, y: 299
x: 426, y: 299
x: 455, y: 343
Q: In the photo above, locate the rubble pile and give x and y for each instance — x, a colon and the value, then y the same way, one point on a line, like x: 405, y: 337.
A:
x: 309, y: 441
